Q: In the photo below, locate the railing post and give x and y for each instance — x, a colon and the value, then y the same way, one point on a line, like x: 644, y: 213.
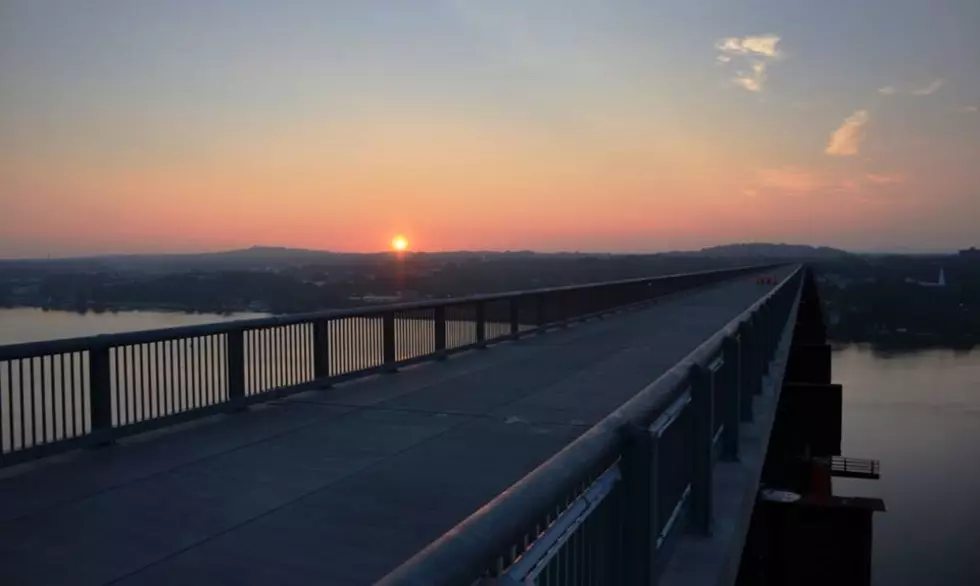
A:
x: 758, y: 352
x: 235, y: 365
x: 564, y: 308
x: 732, y: 399
x: 321, y: 350
x: 388, y: 340
x: 439, y: 327
x: 541, y: 309
x: 100, y: 389
x: 765, y: 313
x: 481, y: 324
x: 745, y: 366
x: 515, y: 317
x: 701, y: 450
x: 638, y: 538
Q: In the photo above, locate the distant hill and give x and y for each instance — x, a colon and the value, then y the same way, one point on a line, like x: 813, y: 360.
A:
x: 768, y: 250
x: 274, y: 257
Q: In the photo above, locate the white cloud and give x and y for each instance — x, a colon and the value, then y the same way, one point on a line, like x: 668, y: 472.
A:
x: 757, y: 50
x: 764, y: 45
x: 929, y: 89
x: 752, y: 80
x: 888, y: 90
x: 970, y: 109
x: 847, y: 139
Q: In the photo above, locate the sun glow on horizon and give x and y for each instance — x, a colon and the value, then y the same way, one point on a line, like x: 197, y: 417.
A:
x: 399, y: 243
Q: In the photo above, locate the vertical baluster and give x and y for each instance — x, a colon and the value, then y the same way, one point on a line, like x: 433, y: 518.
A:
x: 388, y: 339
x: 100, y: 388
x: 22, y: 401
x: 39, y: 361
x: 186, y: 395
x: 31, y: 380
x: 197, y: 376
x: 341, y: 346
x: 235, y: 363
x: 145, y: 397
x: 321, y: 349
x: 57, y: 380
x: 74, y: 394
x: 261, y: 361
x: 277, y: 356
x: 207, y: 368
x: 171, y: 364
x: 294, y: 355
x: 7, y: 423
x: 218, y: 368
x: 155, y: 357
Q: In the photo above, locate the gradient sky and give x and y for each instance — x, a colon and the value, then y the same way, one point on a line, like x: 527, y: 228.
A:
x: 614, y: 125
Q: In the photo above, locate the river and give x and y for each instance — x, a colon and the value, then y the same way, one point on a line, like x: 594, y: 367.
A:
x: 29, y: 324
x: 918, y: 413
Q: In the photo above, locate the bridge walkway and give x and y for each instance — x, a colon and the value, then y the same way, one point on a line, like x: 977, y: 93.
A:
x: 338, y: 486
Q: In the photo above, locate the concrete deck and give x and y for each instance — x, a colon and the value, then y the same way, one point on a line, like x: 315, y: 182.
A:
x: 338, y: 486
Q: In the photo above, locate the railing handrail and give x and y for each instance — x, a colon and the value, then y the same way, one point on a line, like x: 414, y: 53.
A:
x: 474, y: 543
x: 82, y: 343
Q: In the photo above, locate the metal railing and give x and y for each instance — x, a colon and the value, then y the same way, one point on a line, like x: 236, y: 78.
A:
x: 63, y: 394
x: 854, y: 467
x: 608, y: 507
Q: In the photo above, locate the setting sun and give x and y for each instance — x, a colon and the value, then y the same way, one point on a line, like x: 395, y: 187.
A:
x: 399, y: 243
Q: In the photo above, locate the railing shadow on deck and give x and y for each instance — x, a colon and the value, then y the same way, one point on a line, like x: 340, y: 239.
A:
x: 608, y: 507
x: 65, y: 394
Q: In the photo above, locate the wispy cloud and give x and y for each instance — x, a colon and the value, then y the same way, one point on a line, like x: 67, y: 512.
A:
x: 969, y: 109
x: 756, y: 52
x: 883, y: 178
x: 888, y: 90
x: 753, y: 79
x: 847, y: 139
x: 929, y: 89
x: 788, y: 179
x: 799, y: 181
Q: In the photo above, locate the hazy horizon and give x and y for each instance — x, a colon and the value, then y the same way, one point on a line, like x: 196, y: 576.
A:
x: 890, y: 250
x: 615, y: 126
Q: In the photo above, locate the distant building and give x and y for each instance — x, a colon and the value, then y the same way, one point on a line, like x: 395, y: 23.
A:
x: 940, y: 282
x: 971, y: 252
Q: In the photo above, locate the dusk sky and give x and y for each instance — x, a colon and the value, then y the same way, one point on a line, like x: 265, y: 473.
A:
x: 594, y: 125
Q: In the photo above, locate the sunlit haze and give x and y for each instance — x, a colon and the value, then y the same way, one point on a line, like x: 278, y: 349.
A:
x: 600, y: 125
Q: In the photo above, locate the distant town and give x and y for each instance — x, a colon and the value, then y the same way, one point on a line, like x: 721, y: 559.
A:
x: 891, y: 301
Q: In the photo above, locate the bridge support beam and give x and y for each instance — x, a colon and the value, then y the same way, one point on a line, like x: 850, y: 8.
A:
x: 809, y: 418
x: 809, y: 363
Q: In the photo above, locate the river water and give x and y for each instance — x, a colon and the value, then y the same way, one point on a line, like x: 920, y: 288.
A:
x: 918, y: 413
x: 33, y: 325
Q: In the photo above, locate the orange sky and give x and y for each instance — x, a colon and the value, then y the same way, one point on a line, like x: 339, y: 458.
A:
x: 571, y: 126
